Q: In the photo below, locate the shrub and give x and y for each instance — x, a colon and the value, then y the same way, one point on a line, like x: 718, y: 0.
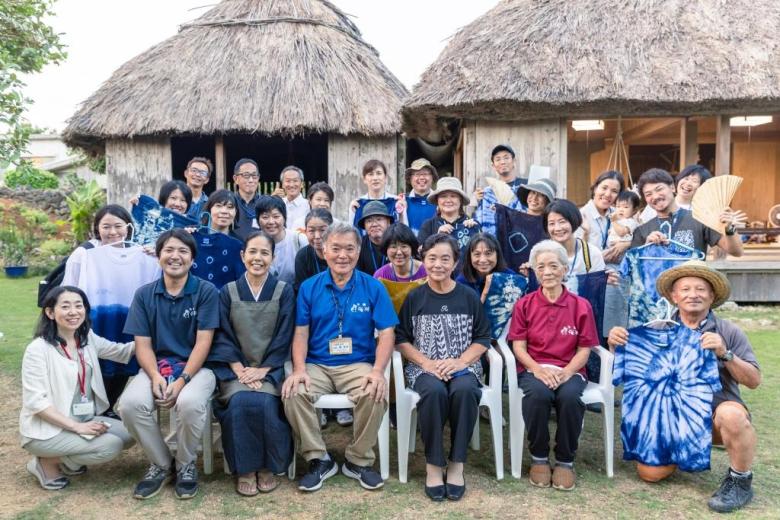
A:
x: 28, y: 175
x: 83, y: 203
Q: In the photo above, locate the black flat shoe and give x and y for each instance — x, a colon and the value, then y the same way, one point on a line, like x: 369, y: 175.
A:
x: 436, y: 493
x: 456, y: 492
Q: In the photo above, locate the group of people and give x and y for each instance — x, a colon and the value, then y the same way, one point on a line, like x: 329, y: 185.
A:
x: 317, y: 306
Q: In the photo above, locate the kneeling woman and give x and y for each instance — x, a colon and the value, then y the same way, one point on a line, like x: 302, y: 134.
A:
x: 442, y: 334
x: 257, y: 313
x: 552, y: 332
x: 63, y: 393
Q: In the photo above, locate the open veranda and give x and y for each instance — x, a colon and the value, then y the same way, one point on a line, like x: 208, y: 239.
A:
x: 107, y: 490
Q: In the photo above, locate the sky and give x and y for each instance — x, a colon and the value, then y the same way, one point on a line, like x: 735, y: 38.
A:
x: 101, y: 35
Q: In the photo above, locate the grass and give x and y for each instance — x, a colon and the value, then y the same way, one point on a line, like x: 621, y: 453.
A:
x: 105, y: 490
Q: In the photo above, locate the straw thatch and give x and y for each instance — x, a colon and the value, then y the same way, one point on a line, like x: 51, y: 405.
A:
x: 283, y: 67
x: 531, y: 59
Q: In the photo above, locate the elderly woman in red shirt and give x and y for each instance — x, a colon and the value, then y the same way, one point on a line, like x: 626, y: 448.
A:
x: 552, y: 331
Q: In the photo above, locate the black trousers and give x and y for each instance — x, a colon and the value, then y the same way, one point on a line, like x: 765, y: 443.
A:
x: 569, y: 411
x: 456, y: 400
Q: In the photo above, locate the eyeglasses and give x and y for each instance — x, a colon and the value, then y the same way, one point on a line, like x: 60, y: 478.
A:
x: 197, y: 171
x: 422, y: 173
x: 248, y: 175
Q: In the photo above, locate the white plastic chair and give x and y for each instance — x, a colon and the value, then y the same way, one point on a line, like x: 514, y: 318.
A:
x: 603, y: 393
x: 338, y: 401
x: 406, y: 401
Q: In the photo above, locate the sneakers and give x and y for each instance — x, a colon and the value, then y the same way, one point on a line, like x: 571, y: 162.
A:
x: 563, y: 478
x: 154, y: 479
x: 366, y: 475
x: 186, y: 482
x: 540, y: 475
x: 734, y: 492
x: 344, y: 417
x: 52, y: 484
x: 319, y: 471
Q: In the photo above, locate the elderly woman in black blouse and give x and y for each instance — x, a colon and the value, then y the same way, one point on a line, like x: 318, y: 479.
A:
x: 442, y: 334
x: 257, y: 313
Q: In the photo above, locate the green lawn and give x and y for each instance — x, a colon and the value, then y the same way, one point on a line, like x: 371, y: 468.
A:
x: 105, y: 491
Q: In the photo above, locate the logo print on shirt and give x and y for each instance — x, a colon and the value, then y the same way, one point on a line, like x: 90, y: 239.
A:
x: 360, y: 307
x: 444, y: 309
x: 189, y: 313
x: 568, y: 330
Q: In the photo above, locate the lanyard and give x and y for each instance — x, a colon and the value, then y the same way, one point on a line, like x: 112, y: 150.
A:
x: 316, y: 260
x: 411, y: 268
x: 373, y: 257
x: 576, y: 254
x: 339, y: 309
x: 604, y: 231
x: 82, y: 377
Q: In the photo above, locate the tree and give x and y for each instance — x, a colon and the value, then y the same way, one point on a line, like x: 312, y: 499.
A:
x: 27, y: 43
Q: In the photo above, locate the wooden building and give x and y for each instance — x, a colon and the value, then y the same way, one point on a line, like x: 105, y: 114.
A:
x: 664, y: 78
x: 283, y: 83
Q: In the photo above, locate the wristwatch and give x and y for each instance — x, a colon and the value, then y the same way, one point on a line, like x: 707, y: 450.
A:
x: 187, y: 378
x: 728, y: 356
x: 731, y: 230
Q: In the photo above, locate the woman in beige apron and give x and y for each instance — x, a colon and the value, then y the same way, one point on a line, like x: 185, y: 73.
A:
x: 257, y: 316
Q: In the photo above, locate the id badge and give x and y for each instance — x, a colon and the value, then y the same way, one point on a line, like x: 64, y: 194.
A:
x: 85, y: 408
x: 340, y: 346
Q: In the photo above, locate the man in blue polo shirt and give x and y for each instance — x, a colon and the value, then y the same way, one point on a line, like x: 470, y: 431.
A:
x: 335, y: 350
x: 173, y: 321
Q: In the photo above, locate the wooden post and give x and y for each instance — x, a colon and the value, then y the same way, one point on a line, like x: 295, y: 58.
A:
x: 689, y: 145
x: 722, y: 145
x: 219, y: 160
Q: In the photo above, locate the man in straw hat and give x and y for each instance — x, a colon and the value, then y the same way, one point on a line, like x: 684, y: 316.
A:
x: 420, y: 176
x: 695, y: 289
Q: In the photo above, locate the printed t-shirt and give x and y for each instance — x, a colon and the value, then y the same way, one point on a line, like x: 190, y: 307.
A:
x: 442, y: 326
x: 684, y: 229
x: 219, y: 258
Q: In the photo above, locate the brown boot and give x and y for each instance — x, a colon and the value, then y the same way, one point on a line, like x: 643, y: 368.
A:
x: 540, y: 475
x: 563, y: 478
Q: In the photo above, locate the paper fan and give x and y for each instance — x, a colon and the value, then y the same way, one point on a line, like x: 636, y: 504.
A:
x: 503, y: 192
x: 712, y: 198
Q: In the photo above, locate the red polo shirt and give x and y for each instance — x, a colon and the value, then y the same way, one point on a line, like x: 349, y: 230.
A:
x: 553, y: 330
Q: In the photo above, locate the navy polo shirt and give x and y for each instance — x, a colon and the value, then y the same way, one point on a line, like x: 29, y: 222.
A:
x: 173, y: 321
x: 366, y: 307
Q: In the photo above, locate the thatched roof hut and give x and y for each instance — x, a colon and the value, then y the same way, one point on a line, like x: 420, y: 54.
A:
x: 255, y: 68
x: 527, y: 59
x: 522, y: 71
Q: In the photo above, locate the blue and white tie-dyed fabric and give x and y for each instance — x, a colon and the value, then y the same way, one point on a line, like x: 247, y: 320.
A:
x: 668, y: 383
x: 517, y: 232
x: 218, y: 259
x: 151, y: 220
x: 389, y: 203
x: 638, y: 276
x: 485, y: 213
x: 505, y: 289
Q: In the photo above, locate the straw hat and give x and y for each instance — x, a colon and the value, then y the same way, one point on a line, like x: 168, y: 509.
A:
x: 546, y: 187
x: 717, y: 280
x: 421, y: 164
x: 449, y: 184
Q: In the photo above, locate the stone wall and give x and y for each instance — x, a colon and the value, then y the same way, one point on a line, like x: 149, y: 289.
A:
x: 48, y: 201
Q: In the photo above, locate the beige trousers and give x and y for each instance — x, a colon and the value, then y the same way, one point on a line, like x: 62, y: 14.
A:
x: 137, y: 409
x: 74, y: 450
x: 305, y: 421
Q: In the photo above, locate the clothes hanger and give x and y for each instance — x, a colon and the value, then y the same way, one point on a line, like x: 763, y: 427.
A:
x: 125, y: 242
x: 698, y: 255
x: 665, y: 320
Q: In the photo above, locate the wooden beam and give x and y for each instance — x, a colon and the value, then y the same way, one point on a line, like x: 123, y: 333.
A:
x: 689, y: 147
x: 722, y: 145
x: 219, y: 161
x: 650, y: 127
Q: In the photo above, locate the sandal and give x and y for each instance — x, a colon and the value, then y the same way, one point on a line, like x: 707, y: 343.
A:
x: 247, y: 486
x: 266, y: 485
x: 34, y: 467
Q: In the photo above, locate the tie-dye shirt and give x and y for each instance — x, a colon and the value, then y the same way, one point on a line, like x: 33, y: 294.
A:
x: 505, y: 289
x: 668, y: 385
x: 485, y: 213
x: 639, y: 270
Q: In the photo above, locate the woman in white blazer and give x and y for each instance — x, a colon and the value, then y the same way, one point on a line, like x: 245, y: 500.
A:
x: 63, y: 393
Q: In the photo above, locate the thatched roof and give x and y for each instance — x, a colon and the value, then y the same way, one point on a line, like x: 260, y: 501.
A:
x: 531, y: 59
x: 284, y: 67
